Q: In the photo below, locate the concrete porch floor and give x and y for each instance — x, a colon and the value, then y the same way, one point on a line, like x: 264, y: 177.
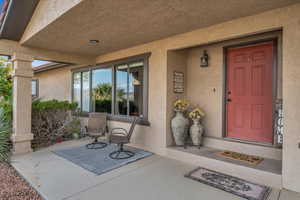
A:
x: 268, y: 165
x: 151, y: 178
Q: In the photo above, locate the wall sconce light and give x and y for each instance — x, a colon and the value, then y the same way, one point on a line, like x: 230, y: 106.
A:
x: 204, y: 59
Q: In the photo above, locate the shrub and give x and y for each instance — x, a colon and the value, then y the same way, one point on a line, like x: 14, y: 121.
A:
x: 52, y: 120
x: 5, y: 131
x: 103, y: 105
x: 5, y: 107
x: 6, y: 88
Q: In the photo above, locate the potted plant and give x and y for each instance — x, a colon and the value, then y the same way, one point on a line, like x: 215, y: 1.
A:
x: 179, y: 123
x: 197, y: 129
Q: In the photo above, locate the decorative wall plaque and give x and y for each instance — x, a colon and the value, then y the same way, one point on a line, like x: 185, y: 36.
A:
x: 279, y: 123
x: 178, y: 82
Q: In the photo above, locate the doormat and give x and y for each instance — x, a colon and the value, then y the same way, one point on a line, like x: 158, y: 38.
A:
x: 98, y: 160
x: 233, y: 185
x: 252, y: 160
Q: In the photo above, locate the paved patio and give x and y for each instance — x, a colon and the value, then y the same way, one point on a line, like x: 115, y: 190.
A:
x: 151, y: 178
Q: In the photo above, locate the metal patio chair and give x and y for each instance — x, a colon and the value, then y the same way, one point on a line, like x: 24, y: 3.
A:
x: 96, y: 128
x: 121, y: 136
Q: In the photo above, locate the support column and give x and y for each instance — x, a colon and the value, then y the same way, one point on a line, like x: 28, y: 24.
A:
x: 22, y: 101
x: 291, y: 111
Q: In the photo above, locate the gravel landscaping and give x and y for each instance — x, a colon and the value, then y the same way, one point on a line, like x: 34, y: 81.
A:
x: 14, y: 187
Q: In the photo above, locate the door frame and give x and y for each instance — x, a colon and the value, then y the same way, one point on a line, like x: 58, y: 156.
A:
x: 274, y: 87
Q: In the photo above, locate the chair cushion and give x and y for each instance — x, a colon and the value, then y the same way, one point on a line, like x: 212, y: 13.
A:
x: 95, y: 134
x: 118, y: 139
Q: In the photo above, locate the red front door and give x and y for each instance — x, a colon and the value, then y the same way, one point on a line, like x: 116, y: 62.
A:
x: 249, y: 92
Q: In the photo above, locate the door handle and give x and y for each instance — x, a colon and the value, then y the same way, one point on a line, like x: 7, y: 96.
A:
x: 228, y: 100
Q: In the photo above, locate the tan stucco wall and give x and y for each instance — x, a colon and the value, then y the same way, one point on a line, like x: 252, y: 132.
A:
x: 176, y: 62
x: 205, y: 86
x: 291, y: 98
x: 154, y: 137
x: 55, y: 84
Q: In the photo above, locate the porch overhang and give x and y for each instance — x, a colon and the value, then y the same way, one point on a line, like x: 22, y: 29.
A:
x: 123, y: 24
x: 16, y: 16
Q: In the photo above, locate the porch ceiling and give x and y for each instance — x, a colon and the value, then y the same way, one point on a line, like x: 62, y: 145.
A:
x: 122, y: 24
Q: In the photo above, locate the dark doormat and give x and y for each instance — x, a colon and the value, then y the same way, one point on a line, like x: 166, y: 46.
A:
x: 98, y: 160
x: 233, y: 185
x: 252, y: 160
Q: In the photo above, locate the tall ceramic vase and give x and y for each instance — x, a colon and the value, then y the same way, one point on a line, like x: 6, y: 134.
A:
x: 179, y: 126
x: 196, y: 132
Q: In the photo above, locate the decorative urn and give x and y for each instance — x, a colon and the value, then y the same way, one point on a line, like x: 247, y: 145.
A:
x: 179, y: 126
x: 197, y: 129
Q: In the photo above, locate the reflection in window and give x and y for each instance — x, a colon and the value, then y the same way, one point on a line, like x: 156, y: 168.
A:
x: 121, y: 90
x: 129, y: 89
x: 86, y: 91
x: 102, y: 90
x: 117, y: 90
x: 135, y: 89
x: 77, y: 88
x: 34, y: 88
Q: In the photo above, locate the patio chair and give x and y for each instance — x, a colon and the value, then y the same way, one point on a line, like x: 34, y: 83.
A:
x: 97, y: 127
x: 120, y: 137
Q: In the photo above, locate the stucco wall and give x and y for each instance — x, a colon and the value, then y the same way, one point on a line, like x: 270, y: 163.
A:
x: 176, y: 62
x: 154, y: 137
x: 205, y: 86
x: 151, y: 137
x: 54, y: 84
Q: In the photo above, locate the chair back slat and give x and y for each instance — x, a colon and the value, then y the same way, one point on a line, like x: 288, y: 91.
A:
x: 97, y: 121
x: 135, y: 119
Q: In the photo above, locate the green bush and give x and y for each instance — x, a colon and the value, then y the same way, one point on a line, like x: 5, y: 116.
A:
x: 5, y: 131
x: 51, y: 121
x: 5, y: 107
x: 103, y: 106
x: 52, y: 105
x: 6, y: 88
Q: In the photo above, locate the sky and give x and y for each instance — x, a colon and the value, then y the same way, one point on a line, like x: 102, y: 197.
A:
x: 37, y: 63
x: 1, y: 2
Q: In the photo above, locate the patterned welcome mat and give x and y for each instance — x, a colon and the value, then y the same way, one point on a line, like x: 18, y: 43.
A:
x: 236, y: 186
x: 252, y: 160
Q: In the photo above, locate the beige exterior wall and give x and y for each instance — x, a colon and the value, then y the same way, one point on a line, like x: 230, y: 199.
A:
x: 205, y: 86
x: 54, y: 84
x: 157, y: 136
x: 176, y: 62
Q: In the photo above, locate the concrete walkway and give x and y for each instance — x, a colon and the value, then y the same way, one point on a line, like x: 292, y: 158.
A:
x: 152, y: 178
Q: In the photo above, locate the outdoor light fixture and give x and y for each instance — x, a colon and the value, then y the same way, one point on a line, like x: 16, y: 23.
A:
x: 94, y: 41
x: 204, y: 59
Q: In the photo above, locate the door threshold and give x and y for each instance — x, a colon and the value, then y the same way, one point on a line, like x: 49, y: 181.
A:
x: 251, y: 142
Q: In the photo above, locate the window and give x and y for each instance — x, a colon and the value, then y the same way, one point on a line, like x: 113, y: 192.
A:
x: 77, y: 88
x: 118, y: 88
x: 81, y: 90
x: 102, y: 90
x: 85, y: 91
x: 34, y: 88
x: 129, y: 89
